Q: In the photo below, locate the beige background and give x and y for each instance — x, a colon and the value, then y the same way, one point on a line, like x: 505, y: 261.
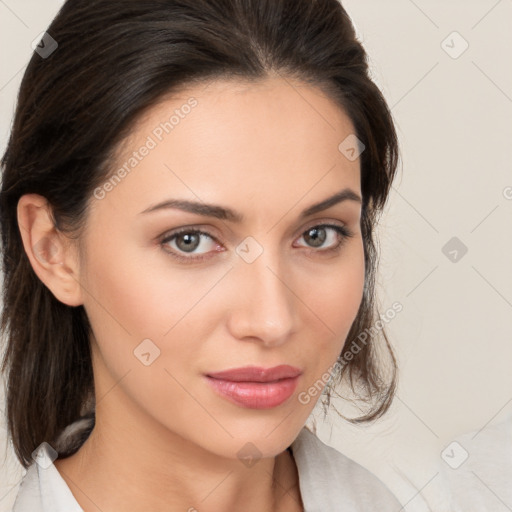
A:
x: 453, y: 336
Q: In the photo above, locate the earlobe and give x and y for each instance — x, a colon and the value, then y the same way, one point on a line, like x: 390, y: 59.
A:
x: 50, y: 252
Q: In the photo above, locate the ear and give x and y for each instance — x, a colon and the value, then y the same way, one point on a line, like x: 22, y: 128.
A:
x: 52, y: 254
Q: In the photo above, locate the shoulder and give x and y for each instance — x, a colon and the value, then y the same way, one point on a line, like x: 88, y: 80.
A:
x: 29, y: 492
x: 325, y: 473
x: 476, y: 469
x: 42, y: 488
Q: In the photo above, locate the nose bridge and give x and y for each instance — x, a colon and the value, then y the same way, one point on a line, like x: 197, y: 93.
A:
x: 264, y: 307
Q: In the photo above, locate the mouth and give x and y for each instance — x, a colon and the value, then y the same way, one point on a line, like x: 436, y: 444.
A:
x: 257, y: 373
x: 256, y: 387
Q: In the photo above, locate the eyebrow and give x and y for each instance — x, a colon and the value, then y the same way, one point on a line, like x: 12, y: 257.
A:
x: 220, y: 212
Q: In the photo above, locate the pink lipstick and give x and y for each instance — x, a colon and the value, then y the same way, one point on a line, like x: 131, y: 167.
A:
x: 256, y: 387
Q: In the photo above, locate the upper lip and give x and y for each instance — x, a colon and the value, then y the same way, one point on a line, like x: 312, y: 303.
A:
x: 257, y: 374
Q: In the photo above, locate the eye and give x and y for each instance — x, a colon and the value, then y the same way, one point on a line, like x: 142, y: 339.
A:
x: 335, y: 235
x: 188, y: 240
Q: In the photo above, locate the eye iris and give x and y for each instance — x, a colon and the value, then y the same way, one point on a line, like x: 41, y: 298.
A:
x: 318, y: 236
x: 191, y: 241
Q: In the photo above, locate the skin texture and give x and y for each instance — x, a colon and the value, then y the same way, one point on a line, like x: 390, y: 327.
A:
x: 164, y: 440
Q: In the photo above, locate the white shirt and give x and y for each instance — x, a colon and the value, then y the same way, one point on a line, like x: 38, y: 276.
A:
x: 477, y: 470
x: 328, y: 480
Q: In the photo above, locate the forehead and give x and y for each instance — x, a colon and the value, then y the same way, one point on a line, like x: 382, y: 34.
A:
x: 272, y: 141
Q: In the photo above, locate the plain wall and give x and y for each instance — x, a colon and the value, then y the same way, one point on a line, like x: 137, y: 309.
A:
x: 453, y: 335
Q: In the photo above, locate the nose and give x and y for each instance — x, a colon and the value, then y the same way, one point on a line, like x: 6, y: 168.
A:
x: 264, y: 305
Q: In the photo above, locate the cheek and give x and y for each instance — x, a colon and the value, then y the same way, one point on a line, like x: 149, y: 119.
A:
x: 334, y: 297
x: 133, y: 298
x: 337, y: 290
x: 130, y: 288
x: 134, y: 294
x: 121, y: 298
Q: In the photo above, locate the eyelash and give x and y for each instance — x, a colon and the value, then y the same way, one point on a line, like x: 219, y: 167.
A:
x: 342, y: 231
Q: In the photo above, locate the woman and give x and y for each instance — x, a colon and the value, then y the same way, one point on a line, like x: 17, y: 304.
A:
x: 188, y: 201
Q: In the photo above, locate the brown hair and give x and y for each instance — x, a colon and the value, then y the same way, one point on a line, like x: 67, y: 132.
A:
x: 116, y: 59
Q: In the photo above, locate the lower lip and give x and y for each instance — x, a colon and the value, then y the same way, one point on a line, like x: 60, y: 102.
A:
x: 255, y: 395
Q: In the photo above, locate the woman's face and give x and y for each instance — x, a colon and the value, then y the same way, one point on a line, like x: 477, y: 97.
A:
x: 263, y: 290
